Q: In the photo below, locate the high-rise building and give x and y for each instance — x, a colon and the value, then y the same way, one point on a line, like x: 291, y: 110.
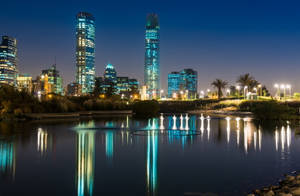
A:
x: 51, y: 82
x: 8, y: 61
x: 189, y: 82
x: 182, y: 83
x: 152, y: 65
x: 173, y: 83
x: 85, y: 52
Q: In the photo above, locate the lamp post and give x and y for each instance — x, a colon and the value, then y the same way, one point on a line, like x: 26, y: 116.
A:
x: 288, y: 86
x: 208, y: 92
x: 186, y: 94
x: 238, y: 90
x: 260, y: 90
x: 181, y: 94
x: 282, y: 86
x: 245, y: 89
x: 228, y: 92
x: 277, y: 90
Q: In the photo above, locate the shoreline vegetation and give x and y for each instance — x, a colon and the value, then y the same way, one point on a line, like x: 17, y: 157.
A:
x: 16, y: 105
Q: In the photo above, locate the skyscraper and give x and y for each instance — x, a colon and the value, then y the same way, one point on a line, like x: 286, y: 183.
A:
x: 152, y: 65
x: 85, y: 52
x: 8, y: 61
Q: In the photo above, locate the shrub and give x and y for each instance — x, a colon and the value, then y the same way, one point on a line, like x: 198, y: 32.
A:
x: 268, y: 109
x: 145, y: 108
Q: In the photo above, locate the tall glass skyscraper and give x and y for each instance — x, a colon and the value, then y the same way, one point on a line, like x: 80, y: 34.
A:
x: 152, y: 65
x: 85, y: 51
x: 8, y: 61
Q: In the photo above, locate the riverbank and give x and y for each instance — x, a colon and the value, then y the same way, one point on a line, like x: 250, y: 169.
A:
x: 39, y: 116
x: 222, y: 113
x: 289, y: 186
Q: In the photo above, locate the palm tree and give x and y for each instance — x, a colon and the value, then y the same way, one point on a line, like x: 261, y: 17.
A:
x: 219, y: 84
x: 245, y: 80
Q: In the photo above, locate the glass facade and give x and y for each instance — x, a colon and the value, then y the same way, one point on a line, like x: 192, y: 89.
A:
x: 173, y: 83
x: 85, y: 52
x: 189, y: 82
x: 185, y: 80
x: 152, y: 65
x: 8, y: 61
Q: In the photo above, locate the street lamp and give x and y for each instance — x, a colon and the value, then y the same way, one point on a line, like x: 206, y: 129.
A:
x: 260, y: 89
x: 282, y: 86
x: 208, y: 92
x: 228, y: 92
x: 277, y: 89
x: 238, y: 88
x: 245, y: 88
x: 288, y: 86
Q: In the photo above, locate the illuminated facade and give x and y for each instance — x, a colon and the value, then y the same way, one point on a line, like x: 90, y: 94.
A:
x: 8, y: 61
x: 51, y: 82
x: 116, y: 85
x: 24, y: 82
x: 173, y: 84
x: 74, y: 89
x: 185, y: 81
x: 85, y: 52
x: 152, y: 64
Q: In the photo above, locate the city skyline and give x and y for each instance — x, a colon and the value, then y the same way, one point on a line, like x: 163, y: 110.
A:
x: 258, y: 38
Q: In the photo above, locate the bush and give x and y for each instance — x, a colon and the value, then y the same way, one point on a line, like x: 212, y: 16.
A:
x: 268, y: 110
x: 145, y: 108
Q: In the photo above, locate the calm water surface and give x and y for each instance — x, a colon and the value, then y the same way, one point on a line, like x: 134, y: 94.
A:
x: 169, y: 155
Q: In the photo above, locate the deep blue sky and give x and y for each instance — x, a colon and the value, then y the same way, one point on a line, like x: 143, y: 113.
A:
x: 219, y: 39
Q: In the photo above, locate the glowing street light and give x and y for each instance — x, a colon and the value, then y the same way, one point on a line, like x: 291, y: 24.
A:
x: 277, y: 89
x: 245, y: 89
x: 260, y: 89
x: 238, y: 90
x: 288, y: 86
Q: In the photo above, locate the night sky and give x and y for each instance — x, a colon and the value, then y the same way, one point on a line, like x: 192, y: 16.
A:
x: 219, y: 39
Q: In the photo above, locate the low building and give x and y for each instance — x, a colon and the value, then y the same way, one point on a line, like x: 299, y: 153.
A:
x: 49, y: 82
x: 24, y: 82
x: 74, y: 89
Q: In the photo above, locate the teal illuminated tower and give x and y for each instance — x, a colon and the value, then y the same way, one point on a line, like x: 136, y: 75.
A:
x: 152, y: 65
x: 85, y: 52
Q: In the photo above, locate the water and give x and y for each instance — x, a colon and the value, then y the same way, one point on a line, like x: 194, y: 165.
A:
x: 169, y: 155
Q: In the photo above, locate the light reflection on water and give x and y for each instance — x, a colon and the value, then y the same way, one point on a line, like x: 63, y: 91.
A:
x: 235, y: 133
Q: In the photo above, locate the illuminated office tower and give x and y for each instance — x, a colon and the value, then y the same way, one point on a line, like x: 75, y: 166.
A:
x: 8, y: 61
x: 185, y: 81
x: 85, y: 52
x: 152, y: 66
x: 51, y: 81
x: 173, y: 84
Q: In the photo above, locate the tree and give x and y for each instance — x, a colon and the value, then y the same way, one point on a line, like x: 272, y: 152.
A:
x: 247, y: 80
x: 219, y: 85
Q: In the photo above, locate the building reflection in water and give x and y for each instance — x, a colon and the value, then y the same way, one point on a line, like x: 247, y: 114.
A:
x: 109, y: 144
x: 151, y: 162
x: 85, y: 143
x: 7, y: 159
